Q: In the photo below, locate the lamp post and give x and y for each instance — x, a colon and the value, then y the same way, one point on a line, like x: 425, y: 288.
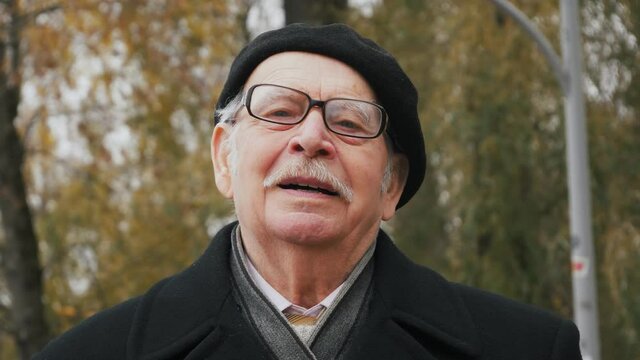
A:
x: 568, y: 72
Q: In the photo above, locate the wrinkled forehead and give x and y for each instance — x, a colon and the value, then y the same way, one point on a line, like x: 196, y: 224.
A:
x: 318, y: 75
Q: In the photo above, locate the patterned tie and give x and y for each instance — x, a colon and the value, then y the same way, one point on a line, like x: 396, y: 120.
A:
x: 299, y: 319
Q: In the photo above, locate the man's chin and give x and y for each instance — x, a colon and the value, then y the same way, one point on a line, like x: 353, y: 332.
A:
x: 305, y: 229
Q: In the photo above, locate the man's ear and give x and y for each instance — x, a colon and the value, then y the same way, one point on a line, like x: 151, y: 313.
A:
x: 396, y: 186
x: 220, y: 150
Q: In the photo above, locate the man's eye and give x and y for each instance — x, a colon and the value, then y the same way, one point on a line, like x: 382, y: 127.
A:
x: 346, y: 124
x: 281, y: 113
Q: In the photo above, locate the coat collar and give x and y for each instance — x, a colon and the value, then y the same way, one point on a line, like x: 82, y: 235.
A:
x: 411, y: 305
x: 182, y: 310
x: 416, y: 307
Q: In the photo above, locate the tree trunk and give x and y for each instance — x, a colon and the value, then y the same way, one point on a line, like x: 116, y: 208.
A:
x: 314, y: 11
x: 20, y: 259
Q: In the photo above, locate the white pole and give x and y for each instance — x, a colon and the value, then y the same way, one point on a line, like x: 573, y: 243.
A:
x: 569, y: 76
x: 585, y: 300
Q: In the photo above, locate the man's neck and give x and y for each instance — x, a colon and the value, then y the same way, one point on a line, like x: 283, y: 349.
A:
x: 304, y: 274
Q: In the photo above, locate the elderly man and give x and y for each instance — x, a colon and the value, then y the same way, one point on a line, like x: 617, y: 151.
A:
x: 317, y: 141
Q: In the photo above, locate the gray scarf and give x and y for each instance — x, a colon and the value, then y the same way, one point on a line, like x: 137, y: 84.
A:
x: 335, y: 328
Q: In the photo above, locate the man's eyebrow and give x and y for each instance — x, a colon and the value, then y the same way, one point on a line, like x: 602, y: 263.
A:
x: 302, y: 88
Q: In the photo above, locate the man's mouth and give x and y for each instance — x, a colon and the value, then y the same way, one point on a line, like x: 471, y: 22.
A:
x: 307, y: 187
x: 311, y: 177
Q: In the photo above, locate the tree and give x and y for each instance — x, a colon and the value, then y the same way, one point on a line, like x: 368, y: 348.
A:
x: 613, y: 68
x: 145, y: 72
x: 19, y: 253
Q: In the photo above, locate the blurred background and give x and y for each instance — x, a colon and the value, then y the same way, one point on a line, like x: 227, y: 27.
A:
x: 106, y: 183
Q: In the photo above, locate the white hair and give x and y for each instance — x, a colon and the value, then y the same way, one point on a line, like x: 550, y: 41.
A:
x: 227, y: 114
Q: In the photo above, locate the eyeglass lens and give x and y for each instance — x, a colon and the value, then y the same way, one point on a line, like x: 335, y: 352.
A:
x: 283, y: 105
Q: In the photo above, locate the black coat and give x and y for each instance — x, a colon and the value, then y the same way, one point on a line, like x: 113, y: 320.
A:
x: 414, y: 314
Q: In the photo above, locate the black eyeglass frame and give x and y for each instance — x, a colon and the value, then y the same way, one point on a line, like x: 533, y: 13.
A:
x: 321, y: 104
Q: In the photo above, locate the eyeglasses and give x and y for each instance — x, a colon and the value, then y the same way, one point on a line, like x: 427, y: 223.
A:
x: 349, y: 117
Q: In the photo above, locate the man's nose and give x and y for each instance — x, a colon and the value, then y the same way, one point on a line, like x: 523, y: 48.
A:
x: 312, y: 137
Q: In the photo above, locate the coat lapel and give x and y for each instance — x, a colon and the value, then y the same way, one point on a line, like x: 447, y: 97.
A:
x: 413, y: 313
x: 193, y: 315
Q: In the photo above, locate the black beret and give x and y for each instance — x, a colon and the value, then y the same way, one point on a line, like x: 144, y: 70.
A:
x: 392, y: 86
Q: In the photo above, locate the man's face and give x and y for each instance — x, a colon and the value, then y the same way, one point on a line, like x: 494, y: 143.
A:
x: 288, y: 208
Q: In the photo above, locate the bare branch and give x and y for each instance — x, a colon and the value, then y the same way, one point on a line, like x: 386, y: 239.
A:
x: 31, y: 15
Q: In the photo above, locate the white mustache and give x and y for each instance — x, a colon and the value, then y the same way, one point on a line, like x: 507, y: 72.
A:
x: 313, y: 168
